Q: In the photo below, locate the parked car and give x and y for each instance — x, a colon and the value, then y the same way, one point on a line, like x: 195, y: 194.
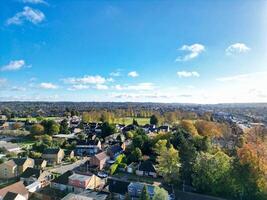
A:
x: 102, y: 174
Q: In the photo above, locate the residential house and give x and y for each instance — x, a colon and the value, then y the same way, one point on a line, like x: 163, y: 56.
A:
x: 69, y: 153
x: 87, y: 195
x: 53, y: 155
x: 81, y: 182
x: 8, y: 170
x: 87, y: 148
x: 114, y: 150
x: 4, y: 125
x: 117, y: 186
x: 146, y: 168
x: 10, y: 147
x: 135, y: 189
x: 164, y: 128
x: 31, y: 175
x: 17, y: 187
x: 99, y: 160
x: 149, y: 128
x: 13, y: 196
x: 61, y: 182
x: 23, y: 164
x: 40, y: 163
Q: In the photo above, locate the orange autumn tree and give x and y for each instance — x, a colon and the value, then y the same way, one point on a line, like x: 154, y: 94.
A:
x: 208, y: 128
x: 254, y: 154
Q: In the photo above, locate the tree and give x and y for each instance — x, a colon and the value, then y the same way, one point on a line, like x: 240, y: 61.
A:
x: 207, y: 128
x: 136, y: 155
x: 81, y: 136
x: 154, y: 120
x: 107, y: 129
x: 160, y: 194
x: 135, y: 122
x: 64, y: 127
x: 138, y: 141
x: 211, y: 173
x: 17, y: 125
x: 189, y: 126
x: 50, y: 127
x: 34, y: 154
x: 168, y: 164
x: 144, y: 195
x: 37, y: 129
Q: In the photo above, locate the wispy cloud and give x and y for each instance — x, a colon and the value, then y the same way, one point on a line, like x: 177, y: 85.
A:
x: 237, y: 48
x: 78, y: 87
x: 116, y: 73
x: 48, y: 86
x: 241, y: 77
x: 101, y: 87
x: 86, y: 80
x: 28, y: 14
x: 186, y: 74
x: 34, y: 1
x: 17, y: 88
x: 133, y: 74
x: 2, y: 81
x: 14, y: 65
x: 193, y: 51
x: 139, y: 86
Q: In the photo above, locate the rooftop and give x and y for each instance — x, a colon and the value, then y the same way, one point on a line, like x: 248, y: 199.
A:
x: 79, y: 177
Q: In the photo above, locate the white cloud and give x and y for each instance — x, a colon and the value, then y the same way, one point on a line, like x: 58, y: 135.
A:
x: 116, y: 73
x: 34, y: 1
x: 16, y: 88
x: 187, y: 74
x: 14, y: 65
x: 28, y: 14
x: 139, y: 86
x: 237, y: 48
x: 48, y: 86
x: 233, y: 78
x: 193, y: 51
x: 78, y: 87
x: 86, y: 80
x: 101, y: 87
x: 133, y: 74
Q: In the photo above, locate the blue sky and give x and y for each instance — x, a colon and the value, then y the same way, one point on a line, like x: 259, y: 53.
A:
x: 158, y: 51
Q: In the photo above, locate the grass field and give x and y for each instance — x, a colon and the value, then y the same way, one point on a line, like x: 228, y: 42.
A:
x: 33, y: 118
x: 129, y: 120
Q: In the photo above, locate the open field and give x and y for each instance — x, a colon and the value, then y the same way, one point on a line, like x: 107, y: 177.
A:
x: 33, y: 118
x: 129, y: 120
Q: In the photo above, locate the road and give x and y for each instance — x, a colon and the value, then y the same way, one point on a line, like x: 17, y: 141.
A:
x: 64, y: 168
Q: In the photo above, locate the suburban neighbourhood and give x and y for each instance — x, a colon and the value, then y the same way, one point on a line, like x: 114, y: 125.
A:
x: 89, y: 156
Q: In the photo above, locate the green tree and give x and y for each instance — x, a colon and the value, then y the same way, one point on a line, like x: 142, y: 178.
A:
x: 144, y: 195
x: 135, y: 122
x: 211, y: 173
x: 107, y: 129
x: 135, y: 156
x: 160, y: 194
x: 169, y: 164
x: 154, y: 120
x: 64, y: 127
x: 50, y: 127
x: 81, y: 136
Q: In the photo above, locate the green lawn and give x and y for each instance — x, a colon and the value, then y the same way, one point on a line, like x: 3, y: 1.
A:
x: 33, y: 118
x: 129, y: 120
